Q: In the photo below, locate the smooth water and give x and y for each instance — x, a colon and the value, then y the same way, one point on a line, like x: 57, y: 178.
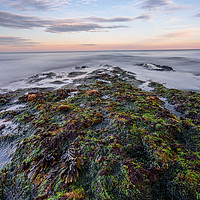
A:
x: 15, y: 68
x: 22, y: 70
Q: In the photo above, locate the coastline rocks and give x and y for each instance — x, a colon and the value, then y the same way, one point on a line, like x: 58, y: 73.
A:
x: 74, y: 74
x: 39, y: 77
x: 151, y: 66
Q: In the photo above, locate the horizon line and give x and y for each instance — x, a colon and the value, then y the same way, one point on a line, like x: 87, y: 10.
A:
x: 68, y: 51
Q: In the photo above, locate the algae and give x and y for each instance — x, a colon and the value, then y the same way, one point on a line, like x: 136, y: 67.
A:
x: 114, y: 141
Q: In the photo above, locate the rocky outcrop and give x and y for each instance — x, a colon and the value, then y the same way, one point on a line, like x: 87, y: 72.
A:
x: 74, y: 74
x: 151, y: 66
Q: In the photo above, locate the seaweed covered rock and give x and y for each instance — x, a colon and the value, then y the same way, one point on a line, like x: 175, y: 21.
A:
x: 118, y: 142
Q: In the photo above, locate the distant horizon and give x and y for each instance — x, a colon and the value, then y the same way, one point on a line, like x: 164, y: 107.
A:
x: 98, y: 50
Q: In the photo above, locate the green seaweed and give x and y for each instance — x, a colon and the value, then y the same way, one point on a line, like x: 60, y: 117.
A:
x: 114, y: 142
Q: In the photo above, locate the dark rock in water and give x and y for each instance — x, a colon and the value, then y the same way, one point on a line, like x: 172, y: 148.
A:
x: 106, y: 65
x: 155, y: 67
x: 82, y: 67
x: 74, y: 74
x: 2, y: 127
x: 39, y: 77
x: 57, y: 82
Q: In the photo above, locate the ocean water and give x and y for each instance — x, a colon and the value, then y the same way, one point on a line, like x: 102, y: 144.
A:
x: 17, y: 70
x: 24, y: 70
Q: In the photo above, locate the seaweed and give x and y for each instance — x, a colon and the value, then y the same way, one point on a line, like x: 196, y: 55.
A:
x: 110, y: 140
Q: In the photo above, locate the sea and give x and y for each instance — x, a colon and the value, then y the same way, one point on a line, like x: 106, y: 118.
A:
x: 16, y: 69
x: 52, y: 69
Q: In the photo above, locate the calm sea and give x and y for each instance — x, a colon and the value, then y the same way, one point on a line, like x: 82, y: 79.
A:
x: 15, y: 68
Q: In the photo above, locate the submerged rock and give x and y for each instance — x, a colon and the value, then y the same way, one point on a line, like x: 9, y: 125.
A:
x: 57, y: 82
x: 155, y: 67
x: 82, y: 67
x: 74, y: 74
x: 39, y: 77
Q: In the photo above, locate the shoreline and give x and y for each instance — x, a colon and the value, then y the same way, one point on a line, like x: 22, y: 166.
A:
x: 101, y: 132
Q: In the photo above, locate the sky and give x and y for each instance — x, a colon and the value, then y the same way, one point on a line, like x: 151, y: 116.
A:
x: 89, y: 25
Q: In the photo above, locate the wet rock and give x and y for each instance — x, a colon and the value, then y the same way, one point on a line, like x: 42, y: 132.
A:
x: 74, y: 74
x: 151, y: 66
x: 39, y: 77
x: 57, y: 82
x: 82, y: 67
x: 2, y: 126
x: 106, y: 65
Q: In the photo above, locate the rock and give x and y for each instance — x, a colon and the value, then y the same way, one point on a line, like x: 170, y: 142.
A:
x: 2, y: 127
x: 63, y: 108
x: 31, y: 97
x: 57, y: 82
x: 39, y: 77
x: 81, y: 67
x: 155, y: 67
x: 74, y: 74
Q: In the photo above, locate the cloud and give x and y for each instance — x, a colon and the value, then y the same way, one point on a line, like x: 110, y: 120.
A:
x: 86, y: 1
x: 30, y: 4
x: 79, y: 27
x: 197, y: 15
x: 118, y: 19
x: 15, y: 41
x: 152, y: 4
x: 16, y: 21
x: 8, y: 19
x: 143, y: 17
x: 88, y: 44
x: 41, y: 5
x: 102, y: 20
x: 178, y: 34
x: 167, y: 5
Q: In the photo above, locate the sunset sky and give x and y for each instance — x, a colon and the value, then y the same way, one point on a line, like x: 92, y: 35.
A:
x: 78, y: 25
